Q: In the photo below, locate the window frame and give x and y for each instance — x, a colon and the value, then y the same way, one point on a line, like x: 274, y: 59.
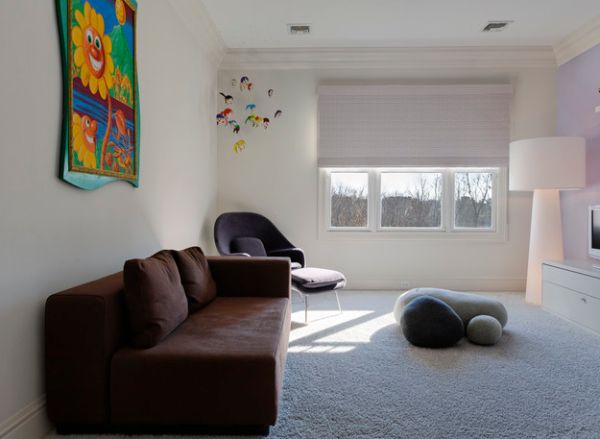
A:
x: 448, y: 230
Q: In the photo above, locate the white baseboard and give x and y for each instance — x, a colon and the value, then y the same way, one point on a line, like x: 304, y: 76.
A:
x: 468, y: 284
x: 30, y: 422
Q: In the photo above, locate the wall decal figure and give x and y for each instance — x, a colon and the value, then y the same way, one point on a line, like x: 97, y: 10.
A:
x: 244, y: 102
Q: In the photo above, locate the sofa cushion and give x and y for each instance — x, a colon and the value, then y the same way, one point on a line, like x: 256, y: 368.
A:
x: 155, y: 298
x: 222, y: 366
x: 249, y: 245
x: 197, y: 280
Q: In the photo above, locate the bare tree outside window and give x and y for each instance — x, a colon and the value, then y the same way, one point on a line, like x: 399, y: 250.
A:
x: 473, y: 199
x: 411, y: 199
x: 349, y: 199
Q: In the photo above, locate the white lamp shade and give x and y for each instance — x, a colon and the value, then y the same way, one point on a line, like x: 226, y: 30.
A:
x: 547, y: 163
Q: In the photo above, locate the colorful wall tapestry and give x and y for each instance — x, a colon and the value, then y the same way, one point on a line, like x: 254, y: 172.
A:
x: 101, y: 111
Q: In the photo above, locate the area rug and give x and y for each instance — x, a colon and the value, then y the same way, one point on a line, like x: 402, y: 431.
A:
x: 355, y: 376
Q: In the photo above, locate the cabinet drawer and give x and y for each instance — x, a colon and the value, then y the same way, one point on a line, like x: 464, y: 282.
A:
x: 574, y: 306
x: 575, y: 281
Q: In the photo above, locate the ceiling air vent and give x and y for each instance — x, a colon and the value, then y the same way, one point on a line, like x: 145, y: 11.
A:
x: 299, y: 29
x: 496, y: 26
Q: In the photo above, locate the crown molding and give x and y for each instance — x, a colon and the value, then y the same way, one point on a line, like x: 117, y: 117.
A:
x: 390, y: 58
x: 415, y: 90
x: 578, y: 42
x: 196, y: 19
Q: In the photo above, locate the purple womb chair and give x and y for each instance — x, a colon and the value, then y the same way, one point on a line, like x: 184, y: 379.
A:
x: 251, y: 234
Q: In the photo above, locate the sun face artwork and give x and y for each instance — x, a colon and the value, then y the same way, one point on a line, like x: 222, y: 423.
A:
x: 101, y: 126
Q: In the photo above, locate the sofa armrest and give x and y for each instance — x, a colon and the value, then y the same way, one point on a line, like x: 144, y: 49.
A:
x: 295, y: 254
x: 83, y: 329
x: 238, y: 276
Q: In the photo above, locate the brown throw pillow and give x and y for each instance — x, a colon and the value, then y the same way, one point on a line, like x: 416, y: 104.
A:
x: 197, y: 280
x: 155, y: 298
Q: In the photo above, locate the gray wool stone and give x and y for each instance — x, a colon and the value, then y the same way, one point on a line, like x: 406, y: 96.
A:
x: 484, y: 330
x: 466, y: 305
x: 429, y: 322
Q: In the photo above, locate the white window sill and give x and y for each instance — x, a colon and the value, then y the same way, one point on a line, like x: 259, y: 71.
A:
x: 392, y: 235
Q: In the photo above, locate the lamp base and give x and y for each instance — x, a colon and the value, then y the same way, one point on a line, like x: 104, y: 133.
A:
x: 545, y: 241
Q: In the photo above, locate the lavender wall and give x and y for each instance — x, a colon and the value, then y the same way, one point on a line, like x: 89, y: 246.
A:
x: 578, y: 82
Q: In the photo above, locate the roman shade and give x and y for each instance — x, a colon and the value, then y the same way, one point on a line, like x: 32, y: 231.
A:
x: 440, y: 125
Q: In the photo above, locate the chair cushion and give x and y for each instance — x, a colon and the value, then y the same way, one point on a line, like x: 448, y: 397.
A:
x: 155, y: 298
x: 222, y: 366
x: 197, y: 280
x: 310, y: 278
x: 250, y: 245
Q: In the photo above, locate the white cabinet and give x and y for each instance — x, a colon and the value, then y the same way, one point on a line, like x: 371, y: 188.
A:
x: 571, y: 289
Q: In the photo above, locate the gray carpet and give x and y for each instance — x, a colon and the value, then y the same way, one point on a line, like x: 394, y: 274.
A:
x: 355, y: 376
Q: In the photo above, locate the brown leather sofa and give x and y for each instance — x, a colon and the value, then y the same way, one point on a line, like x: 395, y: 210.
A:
x: 221, y: 369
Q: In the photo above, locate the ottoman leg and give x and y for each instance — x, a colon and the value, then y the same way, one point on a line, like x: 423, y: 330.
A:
x: 305, y: 308
x: 338, y: 301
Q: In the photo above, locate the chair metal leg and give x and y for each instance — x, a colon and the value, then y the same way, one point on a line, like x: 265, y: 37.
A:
x: 338, y: 301
x: 305, y: 297
x: 305, y: 308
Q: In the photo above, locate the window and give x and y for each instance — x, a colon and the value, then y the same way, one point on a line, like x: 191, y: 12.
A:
x: 414, y: 202
x: 349, y: 199
x: 473, y: 199
x: 411, y: 199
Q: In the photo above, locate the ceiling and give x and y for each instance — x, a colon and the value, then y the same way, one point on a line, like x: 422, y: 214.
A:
x: 397, y: 23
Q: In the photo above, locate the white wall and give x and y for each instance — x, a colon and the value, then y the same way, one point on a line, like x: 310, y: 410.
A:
x: 52, y: 235
x: 277, y: 175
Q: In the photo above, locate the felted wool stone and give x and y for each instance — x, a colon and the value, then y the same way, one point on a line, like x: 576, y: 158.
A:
x: 429, y: 322
x: 484, y: 330
x: 466, y: 305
